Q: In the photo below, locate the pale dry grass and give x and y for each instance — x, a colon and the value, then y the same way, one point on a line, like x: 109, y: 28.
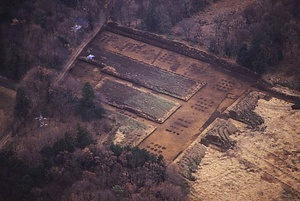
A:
x: 263, y: 165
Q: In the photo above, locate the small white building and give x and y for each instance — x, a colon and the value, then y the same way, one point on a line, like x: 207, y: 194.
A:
x: 76, y: 27
x: 90, y: 56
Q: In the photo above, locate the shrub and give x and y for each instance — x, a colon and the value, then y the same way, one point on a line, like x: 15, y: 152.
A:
x: 22, y: 104
x: 87, y: 109
x: 83, y: 137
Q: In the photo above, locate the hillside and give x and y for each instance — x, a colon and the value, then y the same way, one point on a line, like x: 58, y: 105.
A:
x: 269, y: 29
x: 263, y: 36
x: 149, y: 100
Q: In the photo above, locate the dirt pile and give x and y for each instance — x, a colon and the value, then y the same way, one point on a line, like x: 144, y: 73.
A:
x: 219, y: 135
x: 244, y: 111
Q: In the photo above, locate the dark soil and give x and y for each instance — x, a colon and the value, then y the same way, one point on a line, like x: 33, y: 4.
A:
x: 141, y: 103
x: 148, y: 76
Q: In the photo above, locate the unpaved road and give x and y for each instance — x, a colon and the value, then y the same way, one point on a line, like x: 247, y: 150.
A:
x: 76, y: 53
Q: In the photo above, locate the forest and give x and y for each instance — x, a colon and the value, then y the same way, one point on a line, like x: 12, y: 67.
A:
x: 43, y: 33
x: 75, y: 169
x: 73, y: 166
x: 37, y: 39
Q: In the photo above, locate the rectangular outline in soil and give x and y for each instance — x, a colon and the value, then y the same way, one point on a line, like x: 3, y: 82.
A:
x: 147, y: 105
x: 151, y: 77
x: 131, y: 132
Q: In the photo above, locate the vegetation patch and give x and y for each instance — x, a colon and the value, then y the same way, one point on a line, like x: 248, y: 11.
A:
x: 150, y: 77
x: 189, y: 161
x: 130, y: 132
x: 143, y: 104
x: 73, y: 169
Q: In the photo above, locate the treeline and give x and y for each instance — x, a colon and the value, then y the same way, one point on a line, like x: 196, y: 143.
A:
x: 43, y: 33
x: 73, y: 168
x: 37, y: 96
x: 155, y: 15
x: 274, y: 30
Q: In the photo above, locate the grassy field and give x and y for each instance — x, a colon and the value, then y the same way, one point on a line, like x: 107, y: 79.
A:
x: 262, y: 166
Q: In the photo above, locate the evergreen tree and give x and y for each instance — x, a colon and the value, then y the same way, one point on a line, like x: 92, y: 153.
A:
x: 88, y: 96
x: 22, y: 104
x: 83, y: 137
x: 87, y: 109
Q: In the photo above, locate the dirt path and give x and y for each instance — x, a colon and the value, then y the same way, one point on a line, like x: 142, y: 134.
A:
x: 76, y: 53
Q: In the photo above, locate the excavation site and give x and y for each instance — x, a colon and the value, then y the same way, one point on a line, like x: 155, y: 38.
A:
x: 223, y: 130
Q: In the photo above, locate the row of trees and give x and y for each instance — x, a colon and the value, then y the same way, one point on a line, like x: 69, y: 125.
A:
x: 155, y: 16
x: 38, y: 94
x: 87, y: 108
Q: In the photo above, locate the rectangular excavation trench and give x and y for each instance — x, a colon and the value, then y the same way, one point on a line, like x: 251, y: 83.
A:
x: 149, y: 76
x: 147, y: 105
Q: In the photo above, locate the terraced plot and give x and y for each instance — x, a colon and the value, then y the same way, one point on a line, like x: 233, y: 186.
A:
x: 129, y: 98
x: 149, y: 76
x: 202, y: 89
x: 264, y: 163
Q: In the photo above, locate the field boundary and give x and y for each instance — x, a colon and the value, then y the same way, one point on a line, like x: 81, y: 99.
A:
x: 127, y: 105
x: 180, y: 48
x: 177, y: 47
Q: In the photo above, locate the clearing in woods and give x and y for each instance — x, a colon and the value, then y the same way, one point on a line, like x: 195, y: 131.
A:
x: 129, y: 98
x: 190, y: 108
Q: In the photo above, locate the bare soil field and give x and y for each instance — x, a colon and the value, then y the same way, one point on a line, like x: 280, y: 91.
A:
x: 83, y: 72
x: 203, y: 105
x: 7, y: 98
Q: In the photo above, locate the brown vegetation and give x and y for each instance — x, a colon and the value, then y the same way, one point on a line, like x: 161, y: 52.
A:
x: 71, y: 171
x: 43, y: 32
x: 67, y: 160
